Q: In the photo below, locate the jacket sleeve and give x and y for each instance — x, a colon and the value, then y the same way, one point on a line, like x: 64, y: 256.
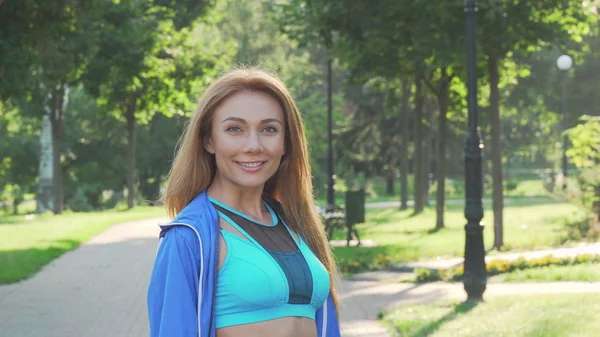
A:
x: 328, y: 324
x: 173, y: 289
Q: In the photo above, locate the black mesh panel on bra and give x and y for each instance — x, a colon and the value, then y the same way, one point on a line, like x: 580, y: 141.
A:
x: 274, y: 238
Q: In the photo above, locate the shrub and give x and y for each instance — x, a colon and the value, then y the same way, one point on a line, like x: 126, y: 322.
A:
x: 497, y: 267
x: 585, y: 155
x: 79, y: 202
x: 427, y: 275
x: 113, y: 200
x: 352, y: 266
x: 511, y: 184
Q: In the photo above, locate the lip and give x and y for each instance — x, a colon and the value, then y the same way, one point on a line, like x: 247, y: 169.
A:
x: 251, y: 169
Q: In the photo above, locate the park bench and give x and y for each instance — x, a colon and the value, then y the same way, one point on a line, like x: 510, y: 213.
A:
x: 334, y: 217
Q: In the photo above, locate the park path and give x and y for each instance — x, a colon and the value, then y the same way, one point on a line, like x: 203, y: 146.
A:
x: 99, y: 289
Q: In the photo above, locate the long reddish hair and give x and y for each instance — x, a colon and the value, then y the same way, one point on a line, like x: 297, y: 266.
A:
x: 194, y: 168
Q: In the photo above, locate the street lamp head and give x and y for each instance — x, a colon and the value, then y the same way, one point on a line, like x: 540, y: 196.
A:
x: 564, y: 62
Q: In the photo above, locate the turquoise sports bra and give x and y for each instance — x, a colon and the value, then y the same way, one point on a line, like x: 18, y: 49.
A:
x: 257, y: 284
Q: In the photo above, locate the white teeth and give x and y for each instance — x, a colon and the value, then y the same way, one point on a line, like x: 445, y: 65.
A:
x: 254, y: 164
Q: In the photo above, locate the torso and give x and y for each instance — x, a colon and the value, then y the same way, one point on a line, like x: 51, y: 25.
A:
x: 280, y: 327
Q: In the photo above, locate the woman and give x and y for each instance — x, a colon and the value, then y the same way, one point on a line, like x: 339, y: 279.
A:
x: 245, y: 254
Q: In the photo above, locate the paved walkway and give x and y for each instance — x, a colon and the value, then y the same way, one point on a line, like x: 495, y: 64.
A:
x: 100, y: 290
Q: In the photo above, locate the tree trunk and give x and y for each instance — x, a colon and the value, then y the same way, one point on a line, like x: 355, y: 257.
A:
x: 404, y: 122
x: 419, y: 135
x: 60, y: 101
x: 45, y: 195
x: 131, y: 122
x: 426, y: 153
x: 496, y: 151
x: 389, y: 184
x: 441, y: 158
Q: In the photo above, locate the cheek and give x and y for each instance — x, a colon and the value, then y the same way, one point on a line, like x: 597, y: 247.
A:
x: 281, y: 147
x: 225, y: 146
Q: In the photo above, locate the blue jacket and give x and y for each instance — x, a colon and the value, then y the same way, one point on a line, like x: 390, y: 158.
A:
x: 181, y: 292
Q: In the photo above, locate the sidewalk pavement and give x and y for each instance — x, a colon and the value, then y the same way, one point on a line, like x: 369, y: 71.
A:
x: 99, y: 289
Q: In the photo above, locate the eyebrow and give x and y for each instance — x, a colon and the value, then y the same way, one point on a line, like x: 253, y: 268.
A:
x: 241, y: 120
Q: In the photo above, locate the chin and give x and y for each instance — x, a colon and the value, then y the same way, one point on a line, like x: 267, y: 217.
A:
x: 251, y: 183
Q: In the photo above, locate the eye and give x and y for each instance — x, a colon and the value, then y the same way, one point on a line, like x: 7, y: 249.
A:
x: 270, y: 129
x: 233, y: 129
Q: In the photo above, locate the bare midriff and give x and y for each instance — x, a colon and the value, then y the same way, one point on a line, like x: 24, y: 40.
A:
x: 281, y: 327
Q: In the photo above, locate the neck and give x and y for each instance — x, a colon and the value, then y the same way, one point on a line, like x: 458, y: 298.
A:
x: 247, y: 200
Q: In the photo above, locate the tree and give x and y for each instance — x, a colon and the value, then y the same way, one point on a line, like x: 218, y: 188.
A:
x: 93, y: 145
x: 46, y: 46
x: 146, y: 63
x: 519, y: 27
x: 391, y: 39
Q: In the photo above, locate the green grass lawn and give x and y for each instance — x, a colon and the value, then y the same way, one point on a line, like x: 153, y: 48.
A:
x: 27, y: 245
x: 403, y: 236
x: 582, y: 272
x: 557, y: 315
x: 526, y: 187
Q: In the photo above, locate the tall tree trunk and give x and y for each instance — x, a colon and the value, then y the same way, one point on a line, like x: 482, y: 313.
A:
x: 441, y: 158
x: 131, y: 122
x: 419, y: 135
x: 496, y: 151
x: 60, y: 101
x: 45, y: 195
x: 426, y: 153
x: 404, y: 122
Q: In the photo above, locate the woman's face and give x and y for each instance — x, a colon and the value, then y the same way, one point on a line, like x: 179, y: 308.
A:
x: 247, y: 139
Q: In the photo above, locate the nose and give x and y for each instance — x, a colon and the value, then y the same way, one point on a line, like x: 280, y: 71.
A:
x: 253, y: 143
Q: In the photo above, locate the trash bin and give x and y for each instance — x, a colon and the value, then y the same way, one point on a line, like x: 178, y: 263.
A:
x: 355, y: 207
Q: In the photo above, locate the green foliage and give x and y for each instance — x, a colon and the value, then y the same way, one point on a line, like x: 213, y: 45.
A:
x: 115, y: 198
x: 93, y: 149
x: 79, y: 202
x: 587, y: 272
x: 19, y: 147
x: 44, y: 41
x: 364, y: 263
x: 585, y: 154
x: 497, y: 267
x: 511, y: 184
x: 577, y: 230
x: 149, y: 60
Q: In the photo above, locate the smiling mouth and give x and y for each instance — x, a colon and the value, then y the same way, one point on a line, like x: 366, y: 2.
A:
x: 251, y: 164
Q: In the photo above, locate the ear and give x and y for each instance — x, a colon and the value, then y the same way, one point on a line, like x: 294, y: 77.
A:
x: 208, y: 146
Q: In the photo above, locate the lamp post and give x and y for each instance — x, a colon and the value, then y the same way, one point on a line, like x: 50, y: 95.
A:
x: 330, y: 182
x: 474, y: 277
x: 564, y: 62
